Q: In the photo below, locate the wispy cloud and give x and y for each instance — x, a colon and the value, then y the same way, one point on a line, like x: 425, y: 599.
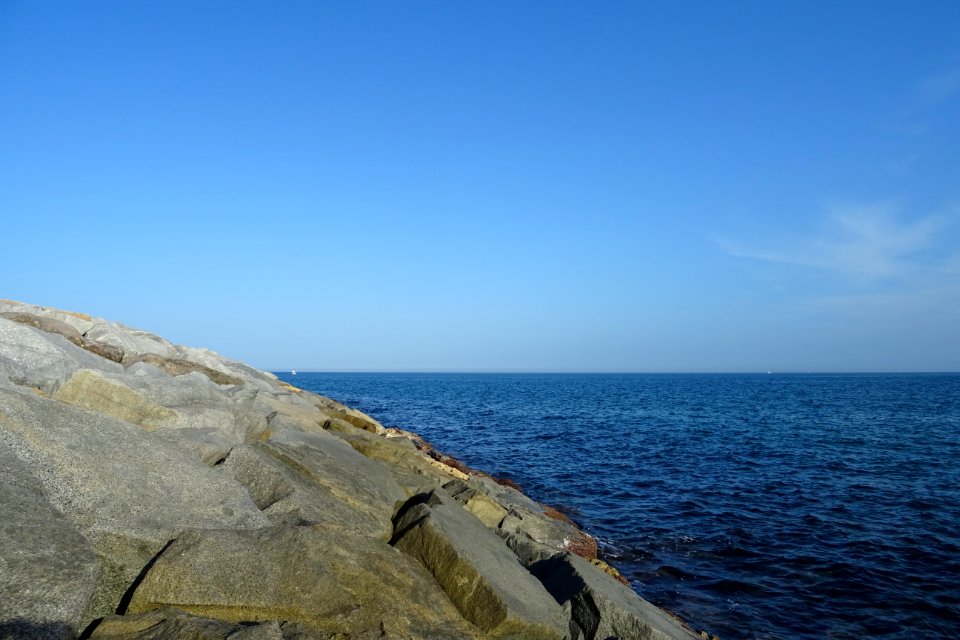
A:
x: 936, y: 89
x: 929, y: 95
x: 865, y: 243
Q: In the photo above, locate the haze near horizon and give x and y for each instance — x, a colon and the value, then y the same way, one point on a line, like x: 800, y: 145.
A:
x: 644, y: 187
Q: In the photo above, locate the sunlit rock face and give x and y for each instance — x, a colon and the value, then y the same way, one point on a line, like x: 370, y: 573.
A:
x: 151, y: 490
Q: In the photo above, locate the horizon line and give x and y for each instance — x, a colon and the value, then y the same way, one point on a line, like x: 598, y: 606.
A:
x: 295, y: 371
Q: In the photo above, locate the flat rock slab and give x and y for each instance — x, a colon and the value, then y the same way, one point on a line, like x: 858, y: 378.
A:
x: 479, y: 573
x: 48, y: 571
x: 329, y: 580
x: 600, y: 607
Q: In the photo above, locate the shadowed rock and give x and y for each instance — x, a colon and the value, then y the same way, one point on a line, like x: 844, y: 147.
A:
x: 173, y: 624
x: 28, y: 629
x: 600, y: 607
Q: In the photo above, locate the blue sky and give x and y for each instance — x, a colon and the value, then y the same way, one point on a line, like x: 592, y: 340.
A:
x: 618, y: 186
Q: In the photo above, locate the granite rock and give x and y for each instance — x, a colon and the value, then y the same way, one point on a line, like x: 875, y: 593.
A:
x: 603, y: 608
x: 196, y: 497
x: 481, y: 576
x: 288, y: 497
x: 48, y: 570
x: 44, y: 323
x: 490, y: 512
x: 180, y: 366
x: 92, y: 390
x: 321, y: 577
x: 174, y: 624
x: 366, y: 487
x: 127, y: 493
x: 79, y: 321
x: 132, y: 341
x: 35, y: 358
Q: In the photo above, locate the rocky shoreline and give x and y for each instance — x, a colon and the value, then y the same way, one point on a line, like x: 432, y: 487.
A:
x: 153, y: 491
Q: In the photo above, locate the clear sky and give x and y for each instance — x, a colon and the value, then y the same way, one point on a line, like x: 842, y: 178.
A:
x: 493, y: 186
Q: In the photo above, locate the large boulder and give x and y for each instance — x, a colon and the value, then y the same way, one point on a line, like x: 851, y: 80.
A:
x: 481, y: 576
x: 44, y: 323
x: 35, y: 358
x: 48, y: 570
x: 286, y: 497
x: 81, y: 322
x: 412, y: 468
x: 321, y: 577
x: 128, y: 493
x: 181, y: 366
x: 601, y: 607
x: 332, y: 465
x: 201, y: 498
x: 533, y: 530
x: 209, y: 419
x: 213, y: 360
x: 69, y: 331
x: 92, y: 390
x: 490, y: 512
x: 290, y: 411
x: 526, y: 518
x: 197, y: 401
x: 133, y: 342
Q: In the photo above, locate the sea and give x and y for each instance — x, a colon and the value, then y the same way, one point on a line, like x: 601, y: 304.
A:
x: 752, y: 506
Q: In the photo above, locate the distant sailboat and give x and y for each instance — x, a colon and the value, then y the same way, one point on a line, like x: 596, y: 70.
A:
x: 293, y: 372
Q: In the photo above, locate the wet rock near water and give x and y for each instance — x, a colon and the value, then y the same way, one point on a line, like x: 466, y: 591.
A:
x: 155, y: 491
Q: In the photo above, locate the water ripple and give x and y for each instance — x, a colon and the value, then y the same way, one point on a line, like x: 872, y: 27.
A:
x: 803, y: 506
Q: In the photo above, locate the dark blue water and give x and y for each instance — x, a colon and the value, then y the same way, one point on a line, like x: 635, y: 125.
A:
x: 753, y: 506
